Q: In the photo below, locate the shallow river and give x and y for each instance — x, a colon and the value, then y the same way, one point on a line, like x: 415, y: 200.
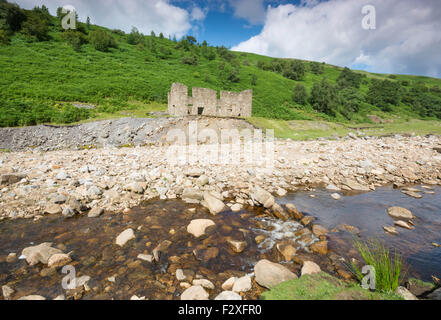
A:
x: 96, y: 255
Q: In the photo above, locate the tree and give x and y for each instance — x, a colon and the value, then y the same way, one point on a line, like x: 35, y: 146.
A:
x: 300, y: 95
x: 102, y: 41
x: 191, y: 40
x: 254, y: 80
x: 348, y: 78
x: 190, y: 60
x: 88, y: 23
x: 324, y: 97
x: 384, y: 93
x: 135, y: 37
x: 294, y: 70
x: 36, y: 26
x: 153, y: 34
x: 11, y: 17
x: 317, y: 68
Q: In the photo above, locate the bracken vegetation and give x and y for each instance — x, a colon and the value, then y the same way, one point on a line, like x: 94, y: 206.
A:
x: 46, y: 69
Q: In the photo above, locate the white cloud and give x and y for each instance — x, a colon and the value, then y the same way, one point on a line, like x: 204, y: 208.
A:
x: 146, y: 15
x: 198, y: 14
x: 251, y: 10
x: 407, y: 38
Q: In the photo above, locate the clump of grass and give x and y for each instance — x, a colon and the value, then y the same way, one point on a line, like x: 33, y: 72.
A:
x: 389, y: 269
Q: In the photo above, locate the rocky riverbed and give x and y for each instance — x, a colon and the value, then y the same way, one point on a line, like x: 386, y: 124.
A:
x: 189, y: 243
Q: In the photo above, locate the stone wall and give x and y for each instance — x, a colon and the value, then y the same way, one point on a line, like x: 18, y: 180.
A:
x: 204, y: 102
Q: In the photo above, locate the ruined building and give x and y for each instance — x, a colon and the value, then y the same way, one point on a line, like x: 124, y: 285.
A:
x: 205, y: 102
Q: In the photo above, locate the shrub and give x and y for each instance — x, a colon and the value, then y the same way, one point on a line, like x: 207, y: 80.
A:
x: 4, y: 37
x: 101, y: 40
x: 300, y: 95
x: 294, y: 69
x: 348, y: 78
x: 254, y: 80
x: 384, y: 93
x: 388, y: 267
x: 190, y: 60
x: 11, y: 17
x: 74, y: 38
x: 36, y: 26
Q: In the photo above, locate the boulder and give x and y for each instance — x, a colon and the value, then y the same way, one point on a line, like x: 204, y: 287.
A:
x: 192, y: 194
x: 53, y: 208
x: 228, y: 295
x: 195, y: 293
x: 7, y: 292
x: 406, y: 294
x: 262, y: 197
x: 32, y: 297
x: 8, y: 179
x: 213, y: 204
x: 58, y: 260
x: 228, y: 284
x: 279, y: 212
x: 435, y: 295
x: 318, y: 230
x: 286, y: 250
x: 197, y: 227
x: 125, y: 237
x: 236, y: 207
x: 320, y: 247
x: 269, y: 274
x: 391, y: 230
x: 95, y: 212
x: 403, y: 224
x: 40, y: 253
x: 310, y: 267
x: 204, y: 283
x: 242, y: 284
x: 237, y: 246
x: 400, y: 213
x: 293, y: 212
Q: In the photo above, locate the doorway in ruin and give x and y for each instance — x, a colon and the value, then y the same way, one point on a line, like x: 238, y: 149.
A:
x: 200, y: 111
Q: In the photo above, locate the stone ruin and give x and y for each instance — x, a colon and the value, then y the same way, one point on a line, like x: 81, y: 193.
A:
x: 205, y: 102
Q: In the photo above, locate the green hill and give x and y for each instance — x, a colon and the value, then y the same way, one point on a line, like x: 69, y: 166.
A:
x: 45, y: 69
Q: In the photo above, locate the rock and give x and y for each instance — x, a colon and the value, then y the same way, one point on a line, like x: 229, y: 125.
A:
x: 435, y: 295
x: 32, y: 297
x: 202, y: 180
x: 332, y: 187
x: 279, y: 212
x: 318, y: 230
x: 135, y: 187
x: 310, y: 267
x: 53, y: 209
x: 60, y: 297
x: 228, y: 295
x: 262, y: 197
x: 418, y: 287
x: 195, y: 293
x: 40, y: 253
x: 160, y: 249
x: 281, y: 192
x: 307, y: 220
x: 61, y: 176
x: 58, y: 260
x: 206, y: 255
x: 184, y: 275
x: 403, y: 224
x: 8, y: 179
x: 125, y: 237
x: 207, y: 284
x: 228, y: 285
x: 242, y: 284
x: 269, y: 274
x: 59, y: 199
x: 391, y: 230
x: 335, y: 196
x: 259, y: 239
x: 400, y: 213
x: 237, y: 246
x: 436, y: 245
x: 412, y: 194
x: 145, y: 257
x: 197, y: 227
x: 94, y: 192
x: 293, y: 212
x: 287, y: 251
x: 7, y: 292
x: 213, y: 204
x: 68, y: 212
x: 12, y: 257
x: 134, y: 297
x: 348, y: 228
x: 406, y: 294
x: 236, y: 207
x: 95, y: 212
x: 194, y: 173
x: 320, y: 247
x: 77, y: 206
x: 354, y: 185
x: 192, y: 194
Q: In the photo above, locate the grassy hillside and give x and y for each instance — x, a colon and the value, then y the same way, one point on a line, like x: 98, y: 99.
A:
x: 43, y: 75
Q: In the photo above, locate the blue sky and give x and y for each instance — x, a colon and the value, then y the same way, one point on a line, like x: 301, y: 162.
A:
x: 403, y: 36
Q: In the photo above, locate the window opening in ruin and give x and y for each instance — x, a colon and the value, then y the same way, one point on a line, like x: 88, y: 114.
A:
x: 200, y: 111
